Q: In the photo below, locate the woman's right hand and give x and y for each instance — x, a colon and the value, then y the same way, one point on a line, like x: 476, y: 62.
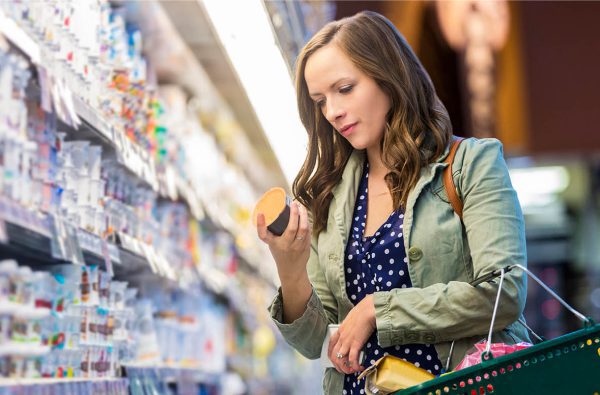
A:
x: 291, y: 250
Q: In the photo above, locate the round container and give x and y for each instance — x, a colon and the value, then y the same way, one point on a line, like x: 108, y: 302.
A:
x: 275, y: 205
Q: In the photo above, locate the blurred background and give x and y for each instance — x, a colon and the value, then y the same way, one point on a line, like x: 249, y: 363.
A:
x: 193, y: 108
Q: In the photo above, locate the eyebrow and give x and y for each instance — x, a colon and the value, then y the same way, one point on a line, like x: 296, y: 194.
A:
x: 330, y: 86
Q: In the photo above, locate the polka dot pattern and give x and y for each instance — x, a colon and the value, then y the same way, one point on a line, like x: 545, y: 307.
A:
x: 381, y: 260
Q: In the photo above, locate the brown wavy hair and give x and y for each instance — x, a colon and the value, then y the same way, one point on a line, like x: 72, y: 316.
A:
x: 418, y: 127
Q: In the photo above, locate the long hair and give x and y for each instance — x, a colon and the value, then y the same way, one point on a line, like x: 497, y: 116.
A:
x: 418, y: 127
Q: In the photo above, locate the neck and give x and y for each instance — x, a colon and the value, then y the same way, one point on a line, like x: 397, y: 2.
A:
x: 376, y: 167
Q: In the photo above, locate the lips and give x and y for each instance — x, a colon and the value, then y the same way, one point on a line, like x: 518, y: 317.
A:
x: 348, y: 128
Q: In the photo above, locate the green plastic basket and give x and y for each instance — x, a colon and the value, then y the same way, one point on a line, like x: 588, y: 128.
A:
x: 567, y: 365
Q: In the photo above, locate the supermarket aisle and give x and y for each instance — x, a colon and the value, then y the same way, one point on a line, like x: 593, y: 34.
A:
x: 127, y: 259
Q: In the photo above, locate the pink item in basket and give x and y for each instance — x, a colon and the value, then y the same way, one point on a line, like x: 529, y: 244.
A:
x: 497, y: 350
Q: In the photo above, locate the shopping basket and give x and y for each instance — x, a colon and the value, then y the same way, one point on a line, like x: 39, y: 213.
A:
x: 567, y: 365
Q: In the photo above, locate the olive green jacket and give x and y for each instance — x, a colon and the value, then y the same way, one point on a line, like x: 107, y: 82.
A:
x: 444, y: 256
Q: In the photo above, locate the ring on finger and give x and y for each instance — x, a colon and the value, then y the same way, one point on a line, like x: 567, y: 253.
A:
x: 339, y: 355
x: 299, y: 238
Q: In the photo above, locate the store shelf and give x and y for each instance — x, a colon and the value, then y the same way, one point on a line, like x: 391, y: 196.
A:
x: 133, y: 157
x: 6, y: 382
x: 172, y: 374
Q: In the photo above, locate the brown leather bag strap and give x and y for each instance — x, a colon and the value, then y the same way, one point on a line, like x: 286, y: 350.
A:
x: 455, y: 200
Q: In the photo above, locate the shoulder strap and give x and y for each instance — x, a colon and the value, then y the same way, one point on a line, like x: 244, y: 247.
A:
x: 455, y: 201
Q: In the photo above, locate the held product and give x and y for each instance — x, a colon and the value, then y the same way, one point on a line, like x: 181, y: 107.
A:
x: 390, y: 374
x: 275, y: 205
x: 325, y: 361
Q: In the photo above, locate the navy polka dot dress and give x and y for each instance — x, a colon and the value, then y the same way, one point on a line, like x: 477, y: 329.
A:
x: 379, y: 263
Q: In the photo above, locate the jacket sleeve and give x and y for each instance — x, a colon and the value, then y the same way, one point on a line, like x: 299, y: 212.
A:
x: 307, y: 333
x: 495, y: 232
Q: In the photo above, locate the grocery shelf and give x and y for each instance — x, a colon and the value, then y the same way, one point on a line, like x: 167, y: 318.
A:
x: 129, y: 154
x: 20, y: 382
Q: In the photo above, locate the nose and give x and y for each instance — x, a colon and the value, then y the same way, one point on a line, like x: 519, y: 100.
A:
x: 334, y: 111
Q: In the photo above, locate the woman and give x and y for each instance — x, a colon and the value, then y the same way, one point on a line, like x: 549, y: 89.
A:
x: 387, y: 257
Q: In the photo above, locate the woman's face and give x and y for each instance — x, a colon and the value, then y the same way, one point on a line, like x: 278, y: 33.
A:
x: 350, y: 100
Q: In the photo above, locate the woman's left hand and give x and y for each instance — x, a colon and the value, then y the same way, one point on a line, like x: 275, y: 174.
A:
x: 352, y: 335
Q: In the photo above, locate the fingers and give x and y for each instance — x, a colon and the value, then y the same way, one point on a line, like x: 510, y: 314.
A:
x: 261, y: 227
x: 292, y: 228
x: 353, y: 361
x: 343, y: 364
x: 303, y: 233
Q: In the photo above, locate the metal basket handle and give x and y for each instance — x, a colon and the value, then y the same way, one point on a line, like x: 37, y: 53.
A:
x: 486, y: 355
x: 587, y: 321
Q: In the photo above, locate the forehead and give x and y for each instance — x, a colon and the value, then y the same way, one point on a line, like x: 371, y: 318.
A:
x: 326, y: 66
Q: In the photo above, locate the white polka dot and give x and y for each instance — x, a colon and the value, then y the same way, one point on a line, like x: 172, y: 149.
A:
x: 377, y: 288
x: 436, y: 367
x: 399, y: 234
x: 406, y: 260
x: 349, y: 270
x: 363, y: 275
x: 359, y: 289
x: 397, y: 348
x: 380, y: 279
x: 396, y: 244
x: 429, y: 370
x: 365, y: 285
x: 419, y: 352
x: 362, y: 197
x: 357, y: 252
x: 386, y: 354
x: 349, y: 256
x: 356, y: 218
x: 355, y: 282
x: 376, y: 352
x: 347, y: 284
x: 386, y: 251
x: 429, y: 357
x: 381, y: 242
x: 379, y: 267
x: 359, y: 208
x: 372, y: 361
x: 353, y: 385
x: 373, y: 282
x: 393, y: 234
x: 401, y: 272
x: 364, y: 261
x: 401, y: 215
x: 373, y: 255
x: 368, y: 345
x: 403, y: 285
x: 358, y: 276
x: 373, y: 241
x: 391, y: 272
x: 362, y: 391
x: 355, y: 229
x: 417, y: 364
x: 346, y: 392
x: 363, y: 224
x: 392, y: 261
x: 389, y: 283
x: 406, y: 350
x: 353, y: 297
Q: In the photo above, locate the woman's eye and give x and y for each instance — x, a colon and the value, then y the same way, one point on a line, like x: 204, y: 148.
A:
x: 346, y: 89
x: 320, y: 103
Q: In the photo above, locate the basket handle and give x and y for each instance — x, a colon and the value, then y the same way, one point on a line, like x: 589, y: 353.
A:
x: 486, y: 355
